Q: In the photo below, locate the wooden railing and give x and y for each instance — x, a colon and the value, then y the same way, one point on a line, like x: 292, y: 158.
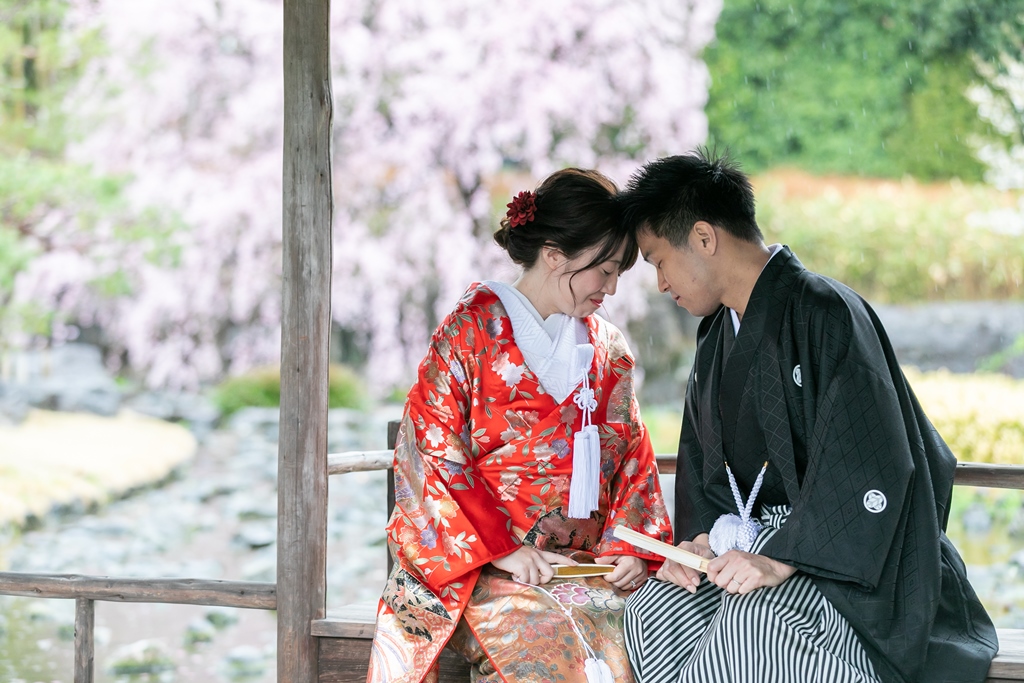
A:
x: 86, y: 590
x: 967, y: 473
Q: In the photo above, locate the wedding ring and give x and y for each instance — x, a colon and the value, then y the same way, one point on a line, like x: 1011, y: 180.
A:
x: 736, y: 582
x: 632, y: 583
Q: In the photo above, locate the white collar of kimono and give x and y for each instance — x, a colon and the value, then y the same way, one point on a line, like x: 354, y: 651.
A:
x: 735, y: 318
x: 557, y: 348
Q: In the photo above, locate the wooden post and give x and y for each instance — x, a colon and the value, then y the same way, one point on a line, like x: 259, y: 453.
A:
x: 85, y: 613
x: 305, y: 338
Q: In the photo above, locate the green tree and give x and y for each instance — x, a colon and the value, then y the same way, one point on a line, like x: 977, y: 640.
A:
x: 871, y: 87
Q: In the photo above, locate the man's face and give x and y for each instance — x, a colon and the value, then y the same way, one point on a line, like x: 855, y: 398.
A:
x: 683, y: 272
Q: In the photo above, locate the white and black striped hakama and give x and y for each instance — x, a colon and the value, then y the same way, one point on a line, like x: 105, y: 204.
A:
x: 785, y: 634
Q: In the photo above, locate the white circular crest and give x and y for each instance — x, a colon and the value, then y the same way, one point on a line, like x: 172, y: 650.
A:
x: 797, y: 376
x: 875, y: 501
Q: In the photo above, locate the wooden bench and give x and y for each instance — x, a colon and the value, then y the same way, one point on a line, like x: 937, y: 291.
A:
x: 346, y: 634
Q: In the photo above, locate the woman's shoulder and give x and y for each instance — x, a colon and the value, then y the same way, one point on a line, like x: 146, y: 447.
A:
x: 479, y: 309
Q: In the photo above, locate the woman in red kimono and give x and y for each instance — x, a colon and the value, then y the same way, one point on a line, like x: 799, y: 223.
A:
x: 521, y: 448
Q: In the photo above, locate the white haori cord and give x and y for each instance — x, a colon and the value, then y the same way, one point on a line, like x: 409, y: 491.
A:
x: 596, y: 670
x: 585, y: 484
x: 737, y: 532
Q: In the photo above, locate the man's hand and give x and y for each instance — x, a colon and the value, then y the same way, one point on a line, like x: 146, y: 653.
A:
x: 629, y: 574
x: 529, y: 565
x: 684, y: 576
x: 740, y: 573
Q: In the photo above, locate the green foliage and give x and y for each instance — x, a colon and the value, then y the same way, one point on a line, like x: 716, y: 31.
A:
x: 871, y: 87
x: 895, y: 241
x: 36, y: 71
x: 262, y: 389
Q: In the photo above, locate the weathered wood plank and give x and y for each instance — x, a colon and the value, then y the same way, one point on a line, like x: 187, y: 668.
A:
x: 248, y: 594
x: 1009, y: 664
x: 986, y: 474
x: 351, y: 621
x: 85, y: 651
x: 305, y: 337
x: 347, y: 660
x: 358, y: 461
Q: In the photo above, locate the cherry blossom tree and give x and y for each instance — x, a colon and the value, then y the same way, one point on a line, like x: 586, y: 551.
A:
x: 442, y: 110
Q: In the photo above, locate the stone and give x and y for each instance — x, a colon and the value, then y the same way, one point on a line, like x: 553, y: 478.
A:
x: 69, y: 378
x: 256, y: 535
x: 959, y: 336
x: 14, y: 404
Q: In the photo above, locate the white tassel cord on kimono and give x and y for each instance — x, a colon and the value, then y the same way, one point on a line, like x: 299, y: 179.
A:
x: 596, y: 670
x: 585, y: 484
x: 737, y: 532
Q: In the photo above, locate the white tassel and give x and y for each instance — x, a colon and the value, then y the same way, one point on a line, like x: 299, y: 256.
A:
x: 585, y: 484
x: 732, y: 532
x: 737, y: 532
x: 598, y: 671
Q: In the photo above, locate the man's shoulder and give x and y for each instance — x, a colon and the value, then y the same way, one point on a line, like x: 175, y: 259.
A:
x: 819, y: 299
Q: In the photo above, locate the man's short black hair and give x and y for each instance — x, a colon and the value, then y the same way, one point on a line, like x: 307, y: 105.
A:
x: 668, y: 196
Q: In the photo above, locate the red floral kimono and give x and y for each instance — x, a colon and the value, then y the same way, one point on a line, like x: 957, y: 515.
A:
x: 482, y: 466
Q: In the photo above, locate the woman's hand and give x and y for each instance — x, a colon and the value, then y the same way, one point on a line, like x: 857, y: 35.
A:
x: 740, y: 573
x: 529, y: 565
x: 684, y: 576
x: 629, y: 574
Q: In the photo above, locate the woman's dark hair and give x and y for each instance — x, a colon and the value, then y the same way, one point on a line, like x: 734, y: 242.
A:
x: 576, y: 210
x: 668, y: 196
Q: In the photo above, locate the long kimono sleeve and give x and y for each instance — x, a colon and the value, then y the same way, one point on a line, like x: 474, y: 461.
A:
x: 635, y: 499
x: 855, y: 497
x: 447, y: 521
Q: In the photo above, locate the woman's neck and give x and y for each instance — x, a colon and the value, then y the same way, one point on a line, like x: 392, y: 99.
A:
x: 533, y: 286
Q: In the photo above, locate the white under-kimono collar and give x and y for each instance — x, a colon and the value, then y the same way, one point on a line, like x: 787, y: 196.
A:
x: 556, y: 349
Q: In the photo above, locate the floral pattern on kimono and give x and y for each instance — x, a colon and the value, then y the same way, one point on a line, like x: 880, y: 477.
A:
x: 483, y: 464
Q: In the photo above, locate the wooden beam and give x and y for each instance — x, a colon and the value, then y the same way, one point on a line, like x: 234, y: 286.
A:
x: 305, y: 338
x: 247, y: 594
x: 359, y: 461
x: 967, y: 473
x: 85, y: 652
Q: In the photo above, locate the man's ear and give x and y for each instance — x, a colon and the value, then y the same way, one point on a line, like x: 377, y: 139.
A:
x: 704, y: 238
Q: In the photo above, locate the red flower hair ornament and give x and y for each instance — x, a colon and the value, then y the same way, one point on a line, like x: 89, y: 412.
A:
x: 521, y: 209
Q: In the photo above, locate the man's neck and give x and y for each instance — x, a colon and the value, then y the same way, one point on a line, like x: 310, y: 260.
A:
x: 749, y: 260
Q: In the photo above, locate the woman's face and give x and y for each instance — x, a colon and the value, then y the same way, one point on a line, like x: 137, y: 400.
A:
x: 581, y: 293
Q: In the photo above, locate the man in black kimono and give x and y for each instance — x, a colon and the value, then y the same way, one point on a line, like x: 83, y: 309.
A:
x: 796, y: 400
